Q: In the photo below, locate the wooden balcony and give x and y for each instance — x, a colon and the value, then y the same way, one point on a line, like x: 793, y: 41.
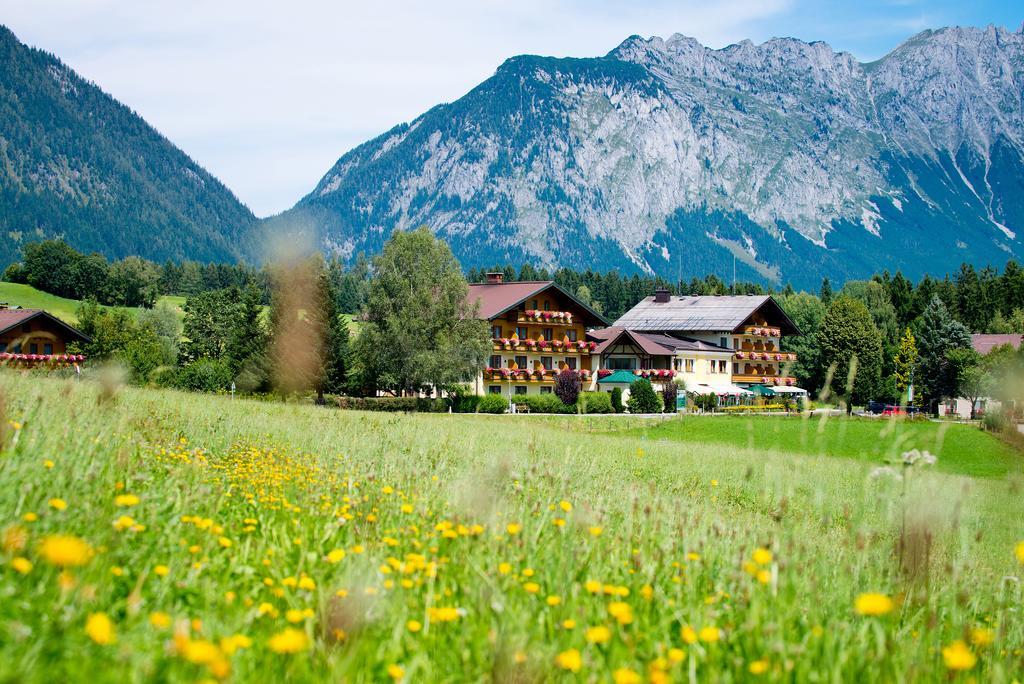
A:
x: 521, y: 375
x: 771, y: 356
x: 762, y: 331
x: 763, y: 379
x: 544, y: 346
x: 546, y: 318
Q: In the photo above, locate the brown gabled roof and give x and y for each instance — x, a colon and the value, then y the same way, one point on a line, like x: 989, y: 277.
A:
x: 652, y: 344
x: 11, y: 318
x: 497, y: 298
x: 983, y: 344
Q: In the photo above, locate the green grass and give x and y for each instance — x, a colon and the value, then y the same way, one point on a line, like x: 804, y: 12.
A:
x: 28, y: 297
x: 961, y: 449
x: 421, y: 504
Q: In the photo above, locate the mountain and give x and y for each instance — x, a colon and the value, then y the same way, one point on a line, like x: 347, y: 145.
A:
x: 670, y: 157
x: 76, y: 163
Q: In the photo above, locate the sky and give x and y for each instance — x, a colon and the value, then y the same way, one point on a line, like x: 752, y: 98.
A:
x: 268, y: 95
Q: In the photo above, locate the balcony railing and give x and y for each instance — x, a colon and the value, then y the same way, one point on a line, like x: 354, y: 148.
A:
x: 528, y: 345
x: 545, y: 317
x: 762, y: 331
x: 764, y: 379
x: 525, y: 375
x: 780, y: 357
x: 10, y: 358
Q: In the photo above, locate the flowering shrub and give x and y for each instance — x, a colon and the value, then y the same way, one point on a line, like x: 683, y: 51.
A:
x: 55, y: 359
x: 604, y: 372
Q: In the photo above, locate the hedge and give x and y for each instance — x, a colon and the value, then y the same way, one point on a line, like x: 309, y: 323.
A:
x: 596, y: 402
x: 544, y: 403
x: 408, y: 404
x: 492, y: 403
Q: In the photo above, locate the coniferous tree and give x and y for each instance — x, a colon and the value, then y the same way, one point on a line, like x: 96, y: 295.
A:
x: 246, y: 348
x: 938, y: 333
x: 826, y: 292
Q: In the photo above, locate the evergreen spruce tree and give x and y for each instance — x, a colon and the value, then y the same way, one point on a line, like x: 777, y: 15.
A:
x: 826, y: 292
x: 938, y: 334
x: 246, y: 349
x: 642, y: 397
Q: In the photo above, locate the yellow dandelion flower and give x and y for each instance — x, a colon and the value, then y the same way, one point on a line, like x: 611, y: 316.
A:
x: 873, y: 604
x: 58, y: 504
x: 565, y: 505
x: 126, y: 500
x: 232, y: 643
x: 161, y: 571
x: 958, y: 657
x: 123, y: 523
x: 596, y: 531
x: 624, y: 675
x: 568, y: 623
x: 100, y: 629
x: 30, y: 517
x: 553, y: 600
x: 290, y: 640
x: 200, y: 652
x: 224, y: 542
x: 335, y: 556
x: 22, y: 565
x: 48, y: 464
x: 570, y: 660
x: 709, y: 635
x: 504, y: 568
x: 688, y: 634
x: 396, y: 672
x: 513, y: 528
x: 981, y: 636
x: 14, y: 538
x: 414, y: 626
x: 621, y: 611
x: 758, y: 667
x: 598, y: 635
x: 531, y: 587
x: 160, y: 620
x: 65, y: 550
x: 593, y: 586
x: 443, y: 614
x: 1020, y: 551
x: 294, y: 616
x: 676, y: 655
x: 762, y: 556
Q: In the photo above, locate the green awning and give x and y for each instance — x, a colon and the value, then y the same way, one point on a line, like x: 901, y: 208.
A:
x: 762, y: 390
x: 621, y: 376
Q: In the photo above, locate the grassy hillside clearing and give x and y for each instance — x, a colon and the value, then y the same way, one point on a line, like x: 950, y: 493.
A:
x: 151, y: 535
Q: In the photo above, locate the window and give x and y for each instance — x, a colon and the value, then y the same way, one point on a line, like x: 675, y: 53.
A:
x: 722, y: 367
x: 549, y: 334
x: 496, y: 332
x: 521, y: 332
x: 33, y: 348
x: 723, y: 342
x: 495, y: 361
x: 735, y: 343
x: 571, y: 334
x: 689, y: 365
x: 545, y: 390
x: 47, y: 348
x: 619, y: 363
x: 570, y: 362
x: 546, y: 362
x: 521, y: 361
x: 547, y: 305
x: 736, y: 368
x: 533, y: 305
x: 3, y: 347
x: 677, y: 364
x: 494, y: 389
x: 520, y: 389
x: 712, y: 366
x: 17, y: 348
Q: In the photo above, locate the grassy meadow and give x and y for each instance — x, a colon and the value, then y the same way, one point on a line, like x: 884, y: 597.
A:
x: 28, y: 297
x: 152, y: 535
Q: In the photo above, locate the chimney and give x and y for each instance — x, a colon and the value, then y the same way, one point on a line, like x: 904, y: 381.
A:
x: 661, y: 296
x: 495, y: 278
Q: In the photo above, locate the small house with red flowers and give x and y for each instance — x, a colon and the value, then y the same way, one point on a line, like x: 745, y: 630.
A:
x: 33, y: 337
x: 538, y: 329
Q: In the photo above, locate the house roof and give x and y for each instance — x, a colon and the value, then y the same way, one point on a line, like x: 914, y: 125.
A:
x: 709, y: 313
x: 623, y: 376
x: 11, y: 318
x: 983, y: 344
x: 652, y: 344
x: 497, y: 298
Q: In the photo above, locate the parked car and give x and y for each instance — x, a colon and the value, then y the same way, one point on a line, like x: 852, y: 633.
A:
x: 896, y: 410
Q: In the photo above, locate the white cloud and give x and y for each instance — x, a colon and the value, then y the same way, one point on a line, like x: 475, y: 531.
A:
x: 267, y: 95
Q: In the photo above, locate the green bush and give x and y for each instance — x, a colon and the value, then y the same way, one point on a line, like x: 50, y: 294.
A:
x: 204, y: 375
x: 545, y: 403
x: 996, y: 420
x: 642, y: 398
x: 463, y: 401
x: 492, y: 403
x: 596, y: 402
x: 617, y: 400
x: 406, y: 404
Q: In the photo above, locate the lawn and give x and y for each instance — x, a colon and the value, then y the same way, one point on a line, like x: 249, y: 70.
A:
x: 961, y: 449
x: 28, y: 297
x: 153, y: 535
